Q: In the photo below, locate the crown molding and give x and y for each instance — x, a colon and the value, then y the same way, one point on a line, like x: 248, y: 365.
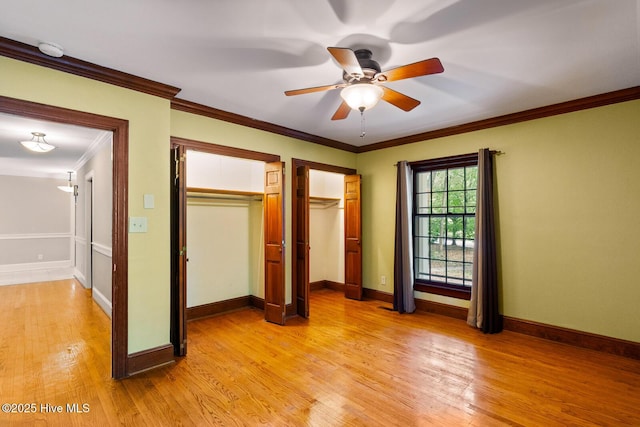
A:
x: 103, y: 139
x: 594, y: 101
x: 600, y: 100
x: 27, y: 53
x: 214, y: 113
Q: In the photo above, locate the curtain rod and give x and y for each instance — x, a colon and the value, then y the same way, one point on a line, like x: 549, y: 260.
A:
x: 496, y: 152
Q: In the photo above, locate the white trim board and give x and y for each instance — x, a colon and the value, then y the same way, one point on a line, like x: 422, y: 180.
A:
x: 80, y: 278
x: 104, y: 137
x: 35, y: 236
x: 15, y: 274
x: 102, y: 301
x: 101, y: 249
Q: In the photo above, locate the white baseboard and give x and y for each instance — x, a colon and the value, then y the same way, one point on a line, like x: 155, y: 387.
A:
x: 80, y: 278
x: 102, y: 301
x: 15, y: 274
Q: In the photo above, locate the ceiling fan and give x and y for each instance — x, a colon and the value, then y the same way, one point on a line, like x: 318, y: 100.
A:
x: 362, y: 77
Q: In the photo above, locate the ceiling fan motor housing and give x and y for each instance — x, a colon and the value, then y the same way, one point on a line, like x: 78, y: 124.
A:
x: 369, y: 67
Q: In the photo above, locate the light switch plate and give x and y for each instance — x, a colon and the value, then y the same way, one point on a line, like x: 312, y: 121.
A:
x: 149, y: 201
x: 137, y: 224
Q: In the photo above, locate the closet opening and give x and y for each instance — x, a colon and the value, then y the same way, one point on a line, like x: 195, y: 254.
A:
x: 218, y: 233
x: 321, y: 259
x: 224, y: 232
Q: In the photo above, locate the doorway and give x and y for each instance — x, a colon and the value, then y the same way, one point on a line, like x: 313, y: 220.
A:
x: 338, y: 209
x: 119, y: 278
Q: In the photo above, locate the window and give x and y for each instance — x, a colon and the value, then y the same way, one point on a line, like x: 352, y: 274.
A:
x: 444, y: 207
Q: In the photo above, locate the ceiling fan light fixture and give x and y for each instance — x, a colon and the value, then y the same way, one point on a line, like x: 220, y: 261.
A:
x: 37, y: 143
x: 362, y: 96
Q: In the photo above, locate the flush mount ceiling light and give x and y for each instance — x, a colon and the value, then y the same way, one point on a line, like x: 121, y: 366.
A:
x: 51, y: 49
x: 37, y: 143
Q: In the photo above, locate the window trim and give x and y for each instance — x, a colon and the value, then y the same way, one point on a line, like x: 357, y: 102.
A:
x: 437, y: 288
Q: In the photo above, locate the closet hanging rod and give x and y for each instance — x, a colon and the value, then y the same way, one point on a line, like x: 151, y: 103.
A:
x: 211, y: 193
x: 324, y: 201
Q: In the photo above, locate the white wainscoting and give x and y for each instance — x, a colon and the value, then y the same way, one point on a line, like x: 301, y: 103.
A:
x: 102, y: 301
x: 102, y: 266
x: 13, y: 274
x: 80, y: 270
x: 39, y: 271
x: 34, y: 236
x: 101, y: 249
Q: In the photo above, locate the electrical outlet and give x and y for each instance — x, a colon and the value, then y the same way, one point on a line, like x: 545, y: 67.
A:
x: 137, y: 224
x: 383, y: 280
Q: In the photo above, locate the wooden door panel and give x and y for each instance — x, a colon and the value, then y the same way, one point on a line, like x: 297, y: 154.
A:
x: 272, y: 221
x: 352, y: 237
x: 302, y: 241
x: 274, y: 295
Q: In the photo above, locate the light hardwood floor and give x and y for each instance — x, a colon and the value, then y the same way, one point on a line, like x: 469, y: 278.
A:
x: 352, y: 363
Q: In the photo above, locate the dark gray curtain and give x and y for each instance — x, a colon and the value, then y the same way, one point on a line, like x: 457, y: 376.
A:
x: 483, y: 310
x: 403, y: 298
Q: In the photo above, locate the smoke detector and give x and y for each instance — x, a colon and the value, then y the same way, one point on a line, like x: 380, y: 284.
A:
x: 51, y: 49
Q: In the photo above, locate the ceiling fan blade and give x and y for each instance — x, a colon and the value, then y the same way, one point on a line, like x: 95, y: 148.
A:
x: 398, y: 99
x: 347, y: 60
x: 421, y: 68
x: 342, y: 112
x: 313, y: 89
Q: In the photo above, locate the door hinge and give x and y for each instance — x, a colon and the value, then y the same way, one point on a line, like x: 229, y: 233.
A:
x: 114, y: 268
x: 177, y: 159
x: 183, y: 250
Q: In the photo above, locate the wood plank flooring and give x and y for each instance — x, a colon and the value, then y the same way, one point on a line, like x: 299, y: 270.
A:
x: 352, y: 364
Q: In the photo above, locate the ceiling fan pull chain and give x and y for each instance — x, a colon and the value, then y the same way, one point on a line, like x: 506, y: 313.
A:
x: 362, y: 124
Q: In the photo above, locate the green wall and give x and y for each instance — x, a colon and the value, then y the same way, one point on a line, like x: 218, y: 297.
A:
x: 567, y: 191
x: 148, y: 118
x: 151, y: 124
x: 569, y: 240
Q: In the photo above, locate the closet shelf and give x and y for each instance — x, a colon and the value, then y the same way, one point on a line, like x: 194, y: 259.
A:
x: 213, y: 193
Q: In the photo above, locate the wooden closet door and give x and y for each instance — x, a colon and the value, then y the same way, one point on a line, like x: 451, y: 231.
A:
x: 178, y: 251
x: 352, y: 238
x: 302, y: 241
x: 274, y: 293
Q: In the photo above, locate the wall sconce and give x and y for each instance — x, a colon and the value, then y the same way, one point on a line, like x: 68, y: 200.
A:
x: 69, y: 188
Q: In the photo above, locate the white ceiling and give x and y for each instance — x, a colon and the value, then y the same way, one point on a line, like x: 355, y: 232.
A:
x: 500, y: 56
x: 73, y: 145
